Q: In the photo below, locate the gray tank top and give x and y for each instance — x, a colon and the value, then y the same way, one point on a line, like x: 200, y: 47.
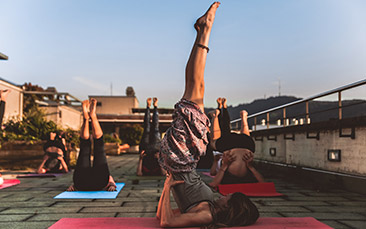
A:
x: 192, y: 192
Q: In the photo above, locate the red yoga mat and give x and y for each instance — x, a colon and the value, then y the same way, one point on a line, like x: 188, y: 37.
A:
x: 127, y: 223
x: 250, y: 189
x: 8, y: 183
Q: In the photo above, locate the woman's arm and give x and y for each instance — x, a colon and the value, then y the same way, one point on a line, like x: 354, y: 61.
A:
x: 63, y: 140
x: 64, y: 165
x: 158, y: 212
x: 111, y: 185
x: 256, y: 174
x: 227, y: 159
x: 71, y: 188
x: 139, y: 166
x: 169, y: 217
x: 40, y: 168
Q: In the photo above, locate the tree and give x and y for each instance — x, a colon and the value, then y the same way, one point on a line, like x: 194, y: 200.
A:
x: 130, y: 91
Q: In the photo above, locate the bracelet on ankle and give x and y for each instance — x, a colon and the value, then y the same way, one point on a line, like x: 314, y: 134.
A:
x: 204, y: 47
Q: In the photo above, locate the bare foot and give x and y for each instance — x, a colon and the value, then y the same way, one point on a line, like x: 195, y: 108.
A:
x: 206, y: 21
x: 52, y: 136
x: 86, y: 107
x: 155, y: 100
x: 4, y: 94
x: 244, y: 114
x: 224, y: 102
x: 93, y: 108
x: 219, y: 103
x: 148, y: 102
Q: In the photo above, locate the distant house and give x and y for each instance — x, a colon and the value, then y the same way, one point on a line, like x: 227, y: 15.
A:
x: 14, y: 102
x: 115, y: 112
x: 64, y: 116
x: 61, y: 110
x: 116, y: 105
x: 60, y: 107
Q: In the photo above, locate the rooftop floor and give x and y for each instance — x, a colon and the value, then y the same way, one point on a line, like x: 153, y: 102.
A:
x: 31, y: 205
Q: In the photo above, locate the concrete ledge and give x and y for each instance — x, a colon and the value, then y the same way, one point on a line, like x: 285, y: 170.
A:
x: 317, y: 178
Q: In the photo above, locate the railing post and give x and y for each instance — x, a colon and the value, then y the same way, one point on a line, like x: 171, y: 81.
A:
x: 307, y: 111
x: 340, y: 105
x: 255, y: 123
x: 284, y: 117
x: 267, y: 120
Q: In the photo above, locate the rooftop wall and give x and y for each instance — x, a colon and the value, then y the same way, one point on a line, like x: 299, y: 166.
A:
x: 307, y: 146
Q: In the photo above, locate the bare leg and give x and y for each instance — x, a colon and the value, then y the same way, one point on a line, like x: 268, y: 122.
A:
x: 84, y: 134
x: 215, y: 131
x: 144, y: 142
x: 154, y: 138
x: 219, y: 103
x: 244, y: 122
x: 97, y: 130
x: 224, y: 105
x: 195, y: 85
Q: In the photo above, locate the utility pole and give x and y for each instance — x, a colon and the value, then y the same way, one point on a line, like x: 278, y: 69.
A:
x: 279, y: 87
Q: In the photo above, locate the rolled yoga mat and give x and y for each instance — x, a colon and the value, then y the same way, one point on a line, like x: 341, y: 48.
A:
x: 9, y: 183
x: 128, y: 223
x: 91, y: 194
x: 146, y: 177
x: 250, y: 189
x: 31, y: 175
x: 207, y: 174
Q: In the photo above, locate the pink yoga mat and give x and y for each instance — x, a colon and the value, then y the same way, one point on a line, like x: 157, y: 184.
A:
x: 8, y: 183
x: 30, y: 175
x: 126, y: 223
x: 250, y: 189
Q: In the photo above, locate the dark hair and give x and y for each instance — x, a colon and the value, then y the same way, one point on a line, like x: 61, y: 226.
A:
x: 240, y: 211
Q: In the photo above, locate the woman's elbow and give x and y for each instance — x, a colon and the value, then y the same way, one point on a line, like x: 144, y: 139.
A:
x: 164, y: 223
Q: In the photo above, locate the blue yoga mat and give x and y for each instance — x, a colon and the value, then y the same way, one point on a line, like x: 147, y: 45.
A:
x: 91, y: 194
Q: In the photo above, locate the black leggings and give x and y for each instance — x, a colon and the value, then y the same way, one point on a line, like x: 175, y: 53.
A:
x: 230, y: 140
x: 86, y: 177
x: 224, y: 122
x: 150, y: 141
x: 2, y: 111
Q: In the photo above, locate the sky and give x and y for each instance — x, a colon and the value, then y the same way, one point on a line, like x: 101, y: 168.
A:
x: 89, y: 47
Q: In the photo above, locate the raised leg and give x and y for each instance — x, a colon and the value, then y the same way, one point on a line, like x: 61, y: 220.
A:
x: 244, y: 122
x: 195, y: 86
x: 145, y: 135
x: 84, y: 133
x: 224, y: 119
x: 97, y: 130
x: 154, y: 138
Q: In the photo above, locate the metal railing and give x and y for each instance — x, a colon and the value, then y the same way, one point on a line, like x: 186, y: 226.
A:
x: 285, y: 121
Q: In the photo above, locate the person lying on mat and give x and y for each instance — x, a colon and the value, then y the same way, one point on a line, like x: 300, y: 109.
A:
x: 183, y: 144
x: 148, y: 164
x: 235, y: 164
x: 53, y: 160
x: 87, y: 177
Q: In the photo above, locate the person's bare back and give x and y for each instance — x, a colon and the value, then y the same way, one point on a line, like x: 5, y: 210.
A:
x: 239, y: 167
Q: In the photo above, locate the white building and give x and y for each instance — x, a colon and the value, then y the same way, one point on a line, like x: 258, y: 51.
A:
x: 14, y: 102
